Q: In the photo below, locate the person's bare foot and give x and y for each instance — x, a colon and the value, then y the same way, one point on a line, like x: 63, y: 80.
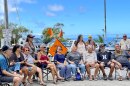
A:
x: 42, y: 83
x: 30, y: 81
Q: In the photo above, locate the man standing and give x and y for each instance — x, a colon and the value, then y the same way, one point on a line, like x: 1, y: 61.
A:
x: 5, y: 74
x: 125, y: 43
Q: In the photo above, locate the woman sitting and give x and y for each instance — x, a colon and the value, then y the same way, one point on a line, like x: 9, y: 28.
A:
x: 64, y: 69
x: 45, y: 63
x: 30, y: 61
x: 17, y: 62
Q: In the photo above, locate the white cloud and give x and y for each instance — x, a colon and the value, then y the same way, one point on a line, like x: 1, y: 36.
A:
x: 26, y: 1
x: 1, y: 6
x: 55, y: 8
x: 12, y: 4
x: 50, y: 14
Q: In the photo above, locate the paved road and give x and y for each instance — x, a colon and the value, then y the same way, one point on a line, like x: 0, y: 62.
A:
x: 91, y: 83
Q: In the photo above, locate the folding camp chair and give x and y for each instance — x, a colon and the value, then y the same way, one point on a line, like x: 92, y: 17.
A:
x: 123, y: 68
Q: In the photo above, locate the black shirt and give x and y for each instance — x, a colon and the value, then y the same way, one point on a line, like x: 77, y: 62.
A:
x: 104, y: 56
x: 17, y: 59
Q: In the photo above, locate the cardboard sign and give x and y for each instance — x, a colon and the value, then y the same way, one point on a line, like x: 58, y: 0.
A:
x: 53, y: 48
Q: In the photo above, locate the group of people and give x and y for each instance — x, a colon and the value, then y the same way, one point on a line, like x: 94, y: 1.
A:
x: 85, y: 57
x: 19, y: 64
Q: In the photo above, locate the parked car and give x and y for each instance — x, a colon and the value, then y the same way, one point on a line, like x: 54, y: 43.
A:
x: 36, y: 41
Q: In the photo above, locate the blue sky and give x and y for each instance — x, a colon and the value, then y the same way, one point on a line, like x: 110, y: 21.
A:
x: 78, y: 16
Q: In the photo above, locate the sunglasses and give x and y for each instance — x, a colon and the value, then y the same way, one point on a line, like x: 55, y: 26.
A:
x: 26, y: 50
x: 43, y: 47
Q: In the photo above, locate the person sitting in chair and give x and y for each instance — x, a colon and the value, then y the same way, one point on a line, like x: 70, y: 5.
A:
x: 104, y: 60
x: 5, y: 74
x: 75, y: 60
x: 61, y: 64
x: 122, y: 57
x: 90, y: 60
x: 32, y: 68
x: 45, y: 63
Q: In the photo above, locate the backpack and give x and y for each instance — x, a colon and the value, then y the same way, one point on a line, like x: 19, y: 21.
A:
x: 78, y: 76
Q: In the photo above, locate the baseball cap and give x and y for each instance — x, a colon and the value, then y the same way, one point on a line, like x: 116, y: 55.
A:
x: 124, y: 35
x: 89, y: 36
x: 30, y: 36
x: 5, y: 47
x: 102, y: 45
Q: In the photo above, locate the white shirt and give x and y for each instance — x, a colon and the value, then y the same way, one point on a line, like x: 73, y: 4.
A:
x: 125, y: 44
x: 90, y: 57
x: 81, y: 48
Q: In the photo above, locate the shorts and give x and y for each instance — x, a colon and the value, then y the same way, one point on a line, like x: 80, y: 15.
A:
x: 106, y: 65
x: 6, y: 79
x: 44, y: 65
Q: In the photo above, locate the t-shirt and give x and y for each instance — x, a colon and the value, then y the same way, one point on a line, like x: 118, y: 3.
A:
x: 122, y: 58
x: 59, y: 57
x: 74, y: 57
x: 29, y: 58
x: 125, y: 44
x: 15, y: 58
x: 90, y: 57
x: 104, y: 56
x: 4, y: 64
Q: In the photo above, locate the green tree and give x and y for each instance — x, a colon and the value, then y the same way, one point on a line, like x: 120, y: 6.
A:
x: 99, y: 39
x: 56, y: 30
x: 18, y: 30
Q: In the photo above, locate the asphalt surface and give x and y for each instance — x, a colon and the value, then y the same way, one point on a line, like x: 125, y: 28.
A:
x: 86, y: 82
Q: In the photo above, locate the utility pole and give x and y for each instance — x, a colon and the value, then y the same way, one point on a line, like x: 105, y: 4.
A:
x: 6, y: 14
x: 6, y: 32
x: 105, y: 28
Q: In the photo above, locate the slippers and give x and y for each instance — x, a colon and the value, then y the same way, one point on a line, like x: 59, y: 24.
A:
x: 24, y: 83
x: 90, y: 78
x: 30, y: 81
x: 43, y: 84
x: 120, y: 78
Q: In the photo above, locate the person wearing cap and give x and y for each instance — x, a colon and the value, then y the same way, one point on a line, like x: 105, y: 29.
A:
x: 125, y: 43
x: 91, y: 42
x: 45, y: 63
x: 29, y: 43
x: 5, y: 74
x: 104, y: 60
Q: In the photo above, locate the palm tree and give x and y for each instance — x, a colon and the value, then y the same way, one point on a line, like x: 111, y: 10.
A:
x: 100, y: 39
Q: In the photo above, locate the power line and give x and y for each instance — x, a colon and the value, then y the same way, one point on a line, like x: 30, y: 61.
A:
x: 17, y: 12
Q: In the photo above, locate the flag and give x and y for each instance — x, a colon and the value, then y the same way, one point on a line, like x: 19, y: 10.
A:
x: 50, y: 32
x: 53, y: 48
x: 60, y: 34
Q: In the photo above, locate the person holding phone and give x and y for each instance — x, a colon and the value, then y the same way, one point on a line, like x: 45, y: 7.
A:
x: 30, y: 61
x: 17, y: 63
